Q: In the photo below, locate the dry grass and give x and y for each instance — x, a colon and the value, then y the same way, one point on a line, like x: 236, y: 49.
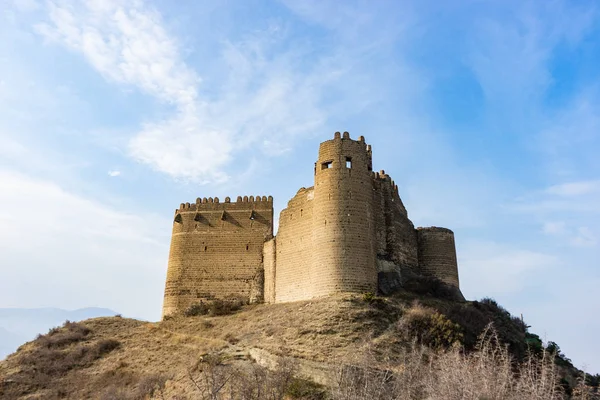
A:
x: 362, y: 345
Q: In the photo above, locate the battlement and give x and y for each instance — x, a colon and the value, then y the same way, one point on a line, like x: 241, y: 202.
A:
x: 382, y: 178
x: 435, y: 229
x: 214, y: 204
x: 344, y: 154
x: 346, y: 136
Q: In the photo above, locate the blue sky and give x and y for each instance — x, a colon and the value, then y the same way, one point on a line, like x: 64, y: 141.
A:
x: 484, y: 112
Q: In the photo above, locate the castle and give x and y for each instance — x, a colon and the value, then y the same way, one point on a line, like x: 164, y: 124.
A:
x: 350, y: 232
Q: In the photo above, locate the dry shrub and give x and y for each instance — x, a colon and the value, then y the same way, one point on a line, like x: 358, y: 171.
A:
x: 214, y: 377
x: 488, y: 373
x: 151, y: 385
x: 115, y: 393
x: 71, y: 332
x: 56, y: 353
x: 105, y: 346
x: 306, y: 389
x: 47, y: 362
x: 214, y: 307
x: 429, y: 327
x: 127, y: 385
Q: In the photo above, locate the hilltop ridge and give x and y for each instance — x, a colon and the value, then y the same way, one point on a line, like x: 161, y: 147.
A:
x: 118, y: 355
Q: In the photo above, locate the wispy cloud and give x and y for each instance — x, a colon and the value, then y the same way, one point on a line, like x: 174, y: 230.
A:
x: 126, y: 43
x: 261, y: 95
x: 495, y: 269
x: 572, y: 189
x: 553, y: 227
x: 510, y: 57
x: 27, y: 5
x: 585, y: 237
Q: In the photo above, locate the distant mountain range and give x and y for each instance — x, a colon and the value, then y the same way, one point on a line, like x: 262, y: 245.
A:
x: 20, y: 325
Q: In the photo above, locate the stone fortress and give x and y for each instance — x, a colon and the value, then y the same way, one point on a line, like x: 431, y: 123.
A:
x: 350, y: 232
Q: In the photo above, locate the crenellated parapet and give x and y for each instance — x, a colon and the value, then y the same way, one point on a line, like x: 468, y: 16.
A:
x: 242, y: 202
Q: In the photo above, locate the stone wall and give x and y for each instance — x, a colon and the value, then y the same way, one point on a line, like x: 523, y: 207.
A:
x: 437, y: 254
x: 217, y: 251
x: 295, y: 248
x: 325, y: 242
x: 343, y: 221
x: 396, y: 236
x: 269, y: 261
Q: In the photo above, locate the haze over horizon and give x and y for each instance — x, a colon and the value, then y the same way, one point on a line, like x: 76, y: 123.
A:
x: 485, y: 114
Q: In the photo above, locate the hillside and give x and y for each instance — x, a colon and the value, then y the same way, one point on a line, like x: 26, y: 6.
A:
x: 19, y: 325
x: 106, y: 358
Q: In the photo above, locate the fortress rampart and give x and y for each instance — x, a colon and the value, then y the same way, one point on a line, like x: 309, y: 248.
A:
x: 437, y: 254
x: 350, y: 232
x: 217, y: 251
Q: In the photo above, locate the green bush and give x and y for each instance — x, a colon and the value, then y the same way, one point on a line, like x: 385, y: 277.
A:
x: 429, y: 327
x: 534, y: 343
x: 476, y: 316
x: 429, y: 286
x: 306, y: 390
x: 368, y: 297
x: 200, y: 308
x: 593, y: 380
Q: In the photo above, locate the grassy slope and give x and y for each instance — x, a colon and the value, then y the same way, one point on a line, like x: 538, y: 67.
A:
x: 325, y: 330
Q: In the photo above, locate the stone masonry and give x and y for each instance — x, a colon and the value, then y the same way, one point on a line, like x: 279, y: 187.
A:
x: 349, y: 232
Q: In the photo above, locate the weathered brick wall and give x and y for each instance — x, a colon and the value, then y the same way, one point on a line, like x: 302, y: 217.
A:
x: 269, y: 261
x: 325, y: 242
x: 343, y: 221
x: 295, y: 248
x: 437, y: 254
x: 217, y: 251
x: 395, y: 233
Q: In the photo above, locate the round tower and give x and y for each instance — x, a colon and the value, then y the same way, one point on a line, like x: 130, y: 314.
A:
x: 437, y: 254
x: 344, y: 250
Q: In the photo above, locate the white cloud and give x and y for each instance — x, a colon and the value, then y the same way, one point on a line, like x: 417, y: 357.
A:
x: 114, y: 173
x: 262, y: 96
x: 510, y: 56
x: 126, y: 43
x: 75, y: 252
x: 584, y: 237
x: 573, y: 189
x: 492, y: 269
x: 26, y: 5
x: 183, y: 148
x: 553, y: 228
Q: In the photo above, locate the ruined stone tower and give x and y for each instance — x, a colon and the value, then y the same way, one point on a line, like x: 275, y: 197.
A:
x: 349, y: 232
x: 333, y: 222
x: 216, y: 251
